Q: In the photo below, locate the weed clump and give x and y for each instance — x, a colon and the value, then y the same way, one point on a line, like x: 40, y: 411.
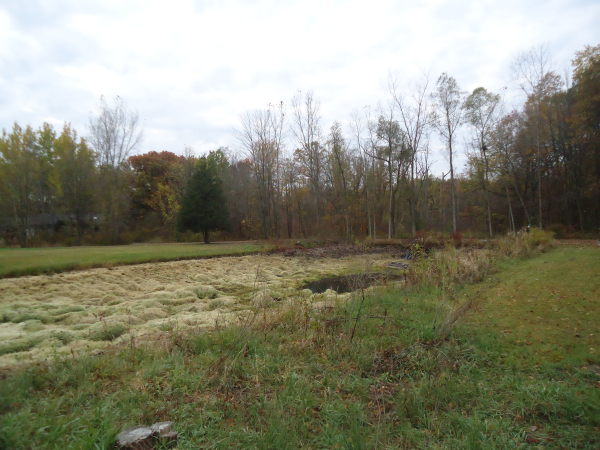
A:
x: 466, y: 265
x: 31, y: 316
x: 523, y: 244
x: 179, y: 297
x: 17, y: 345
x: 215, y: 304
x: 33, y: 325
x: 26, y: 343
x: 152, y: 313
x: 106, y: 330
x: 452, y: 266
x: 203, y: 291
x: 68, y: 309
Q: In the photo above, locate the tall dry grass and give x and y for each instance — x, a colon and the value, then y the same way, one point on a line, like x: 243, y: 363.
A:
x: 454, y: 265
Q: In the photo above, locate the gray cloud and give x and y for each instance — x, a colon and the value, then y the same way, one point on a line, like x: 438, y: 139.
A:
x: 190, y: 68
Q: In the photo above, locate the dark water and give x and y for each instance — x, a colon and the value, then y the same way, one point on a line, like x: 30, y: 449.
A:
x: 349, y: 283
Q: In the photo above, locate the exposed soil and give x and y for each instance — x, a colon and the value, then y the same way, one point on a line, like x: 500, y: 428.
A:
x: 579, y: 242
x: 343, y: 250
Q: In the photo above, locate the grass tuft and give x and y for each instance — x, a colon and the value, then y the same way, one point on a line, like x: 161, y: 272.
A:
x: 106, y: 330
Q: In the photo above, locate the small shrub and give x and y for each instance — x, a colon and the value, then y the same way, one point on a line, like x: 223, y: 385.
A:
x: 560, y: 231
x: 143, y: 235
x: 539, y: 237
x: 457, y: 237
x: 99, y: 239
x: 70, y: 241
x: 418, y: 251
x: 125, y: 238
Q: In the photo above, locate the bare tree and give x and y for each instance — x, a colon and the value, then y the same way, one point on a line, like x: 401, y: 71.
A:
x: 340, y: 159
x: 482, y: 111
x: 361, y: 143
x: 261, y: 140
x: 387, y: 144
x: 449, y: 103
x: 530, y: 69
x: 372, y: 176
x: 423, y: 173
x: 504, y: 141
x: 416, y: 118
x: 307, y: 130
x: 114, y: 133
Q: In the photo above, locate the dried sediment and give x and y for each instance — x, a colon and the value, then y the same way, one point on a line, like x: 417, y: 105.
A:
x: 344, y: 250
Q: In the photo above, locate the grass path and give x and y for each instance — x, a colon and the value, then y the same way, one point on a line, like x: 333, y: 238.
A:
x: 517, y: 372
x: 546, y: 309
x: 34, y: 261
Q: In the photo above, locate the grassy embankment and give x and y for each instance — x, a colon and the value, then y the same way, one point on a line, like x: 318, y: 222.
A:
x: 34, y: 261
x: 513, y: 372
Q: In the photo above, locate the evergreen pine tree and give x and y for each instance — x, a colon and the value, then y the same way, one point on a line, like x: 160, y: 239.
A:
x: 204, y: 207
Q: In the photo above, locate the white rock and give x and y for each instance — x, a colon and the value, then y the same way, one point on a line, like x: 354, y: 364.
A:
x: 135, y: 437
x: 162, y: 428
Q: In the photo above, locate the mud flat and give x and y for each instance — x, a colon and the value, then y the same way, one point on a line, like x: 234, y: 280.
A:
x: 49, y: 315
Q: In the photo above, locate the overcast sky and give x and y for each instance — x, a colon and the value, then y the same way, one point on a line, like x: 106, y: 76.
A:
x: 191, y: 68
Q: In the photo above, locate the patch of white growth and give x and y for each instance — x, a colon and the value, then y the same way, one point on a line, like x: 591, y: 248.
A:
x: 49, y: 315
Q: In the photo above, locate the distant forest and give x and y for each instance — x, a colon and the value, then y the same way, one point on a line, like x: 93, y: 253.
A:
x: 291, y: 176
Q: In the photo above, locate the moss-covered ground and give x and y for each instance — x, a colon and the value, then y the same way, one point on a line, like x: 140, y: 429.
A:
x: 518, y: 370
x: 46, y: 315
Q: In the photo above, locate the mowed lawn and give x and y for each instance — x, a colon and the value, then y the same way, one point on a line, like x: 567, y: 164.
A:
x: 545, y: 310
x: 33, y: 261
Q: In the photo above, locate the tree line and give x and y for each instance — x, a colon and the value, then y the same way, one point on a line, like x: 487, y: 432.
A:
x: 288, y: 175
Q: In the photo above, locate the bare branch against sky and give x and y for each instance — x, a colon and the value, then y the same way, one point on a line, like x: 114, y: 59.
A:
x: 191, y: 68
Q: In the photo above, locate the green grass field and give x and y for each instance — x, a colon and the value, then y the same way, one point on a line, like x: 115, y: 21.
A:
x: 34, y: 261
x: 519, y: 370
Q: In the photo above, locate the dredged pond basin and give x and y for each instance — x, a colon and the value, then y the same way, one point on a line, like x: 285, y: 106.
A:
x: 349, y: 283
x: 84, y: 311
